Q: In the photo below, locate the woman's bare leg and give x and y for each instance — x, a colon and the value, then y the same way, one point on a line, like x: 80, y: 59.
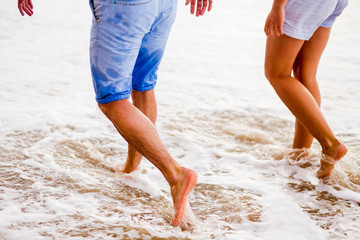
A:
x: 281, y: 53
x: 305, y: 69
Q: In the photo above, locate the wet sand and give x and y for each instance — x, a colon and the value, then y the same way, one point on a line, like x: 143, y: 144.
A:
x: 217, y: 115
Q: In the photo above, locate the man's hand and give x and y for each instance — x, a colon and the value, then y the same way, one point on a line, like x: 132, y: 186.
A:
x: 201, y: 6
x: 25, y: 6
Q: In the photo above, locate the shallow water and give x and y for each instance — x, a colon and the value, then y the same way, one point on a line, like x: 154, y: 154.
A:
x: 217, y: 115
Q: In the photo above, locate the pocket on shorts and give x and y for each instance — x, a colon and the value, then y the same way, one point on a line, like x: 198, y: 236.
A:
x: 131, y: 2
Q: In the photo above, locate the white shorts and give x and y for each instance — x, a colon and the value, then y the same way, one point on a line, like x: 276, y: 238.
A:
x: 304, y: 17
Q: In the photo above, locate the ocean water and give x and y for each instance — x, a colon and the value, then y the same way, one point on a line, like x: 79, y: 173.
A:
x: 217, y: 115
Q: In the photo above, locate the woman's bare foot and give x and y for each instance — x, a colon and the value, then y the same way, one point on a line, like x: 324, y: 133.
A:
x: 180, y: 192
x: 328, y: 161
x: 297, y: 154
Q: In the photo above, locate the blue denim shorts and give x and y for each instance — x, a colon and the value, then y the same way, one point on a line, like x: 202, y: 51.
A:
x: 128, y: 39
x: 304, y: 17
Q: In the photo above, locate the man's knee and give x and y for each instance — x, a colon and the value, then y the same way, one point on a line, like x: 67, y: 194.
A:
x: 105, y: 108
x: 118, y: 106
x: 109, y: 108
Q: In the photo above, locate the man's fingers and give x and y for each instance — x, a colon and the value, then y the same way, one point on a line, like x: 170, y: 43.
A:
x: 21, y: 12
x: 192, y: 8
x: 28, y: 11
x: 205, y: 4
x: 210, y: 5
x: 27, y: 5
x: 21, y: 9
x: 26, y: 8
x: 199, y: 7
x: 31, y: 5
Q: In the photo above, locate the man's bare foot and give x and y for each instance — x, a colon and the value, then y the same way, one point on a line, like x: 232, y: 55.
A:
x: 127, y: 169
x: 180, y: 192
x: 129, y: 166
x: 327, y: 162
x: 119, y: 168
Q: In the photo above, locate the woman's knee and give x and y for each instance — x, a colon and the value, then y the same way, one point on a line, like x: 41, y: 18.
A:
x: 306, y: 77
x: 274, y: 75
x: 269, y: 74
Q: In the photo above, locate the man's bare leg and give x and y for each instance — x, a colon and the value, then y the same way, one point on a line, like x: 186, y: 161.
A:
x: 281, y: 53
x: 146, y: 103
x: 141, y: 134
